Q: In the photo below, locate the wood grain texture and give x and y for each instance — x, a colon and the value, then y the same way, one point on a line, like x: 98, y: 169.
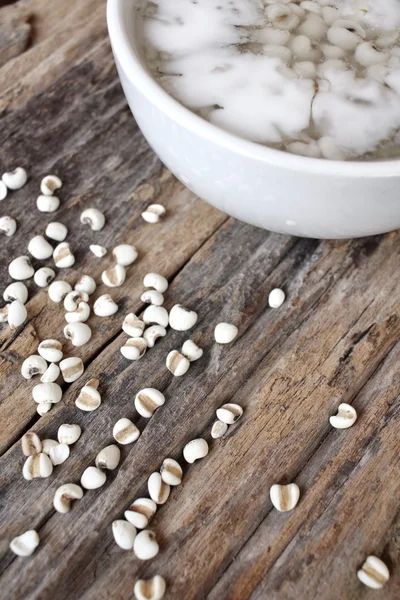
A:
x: 15, y: 33
x: 334, y: 340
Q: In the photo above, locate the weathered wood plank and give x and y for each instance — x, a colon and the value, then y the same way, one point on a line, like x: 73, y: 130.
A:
x: 17, y: 408
x: 333, y: 340
x: 98, y: 168
x: 303, y: 386
x: 349, y: 509
x: 60, y: 37
x: 227, y: 502
x: 15, y: 33
x: 120, y: 378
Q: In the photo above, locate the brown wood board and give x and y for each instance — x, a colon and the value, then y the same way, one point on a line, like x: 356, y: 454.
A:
x: 334, y: 340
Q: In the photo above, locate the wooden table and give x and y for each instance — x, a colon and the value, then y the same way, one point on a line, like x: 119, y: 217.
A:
x: 334, y: 340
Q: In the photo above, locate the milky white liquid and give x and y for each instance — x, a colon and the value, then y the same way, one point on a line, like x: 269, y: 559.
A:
x: 319, y: 78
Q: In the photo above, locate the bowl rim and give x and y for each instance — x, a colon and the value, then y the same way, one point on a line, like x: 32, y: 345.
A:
x: 140, y: 78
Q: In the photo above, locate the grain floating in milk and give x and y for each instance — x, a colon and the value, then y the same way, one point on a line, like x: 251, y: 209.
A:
x: 317, y: 78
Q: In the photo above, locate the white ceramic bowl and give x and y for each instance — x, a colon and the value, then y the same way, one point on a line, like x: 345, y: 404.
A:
x: 265, y: 187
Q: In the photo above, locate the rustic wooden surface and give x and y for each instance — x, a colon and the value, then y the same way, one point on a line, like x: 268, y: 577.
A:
x: 334, y: 340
